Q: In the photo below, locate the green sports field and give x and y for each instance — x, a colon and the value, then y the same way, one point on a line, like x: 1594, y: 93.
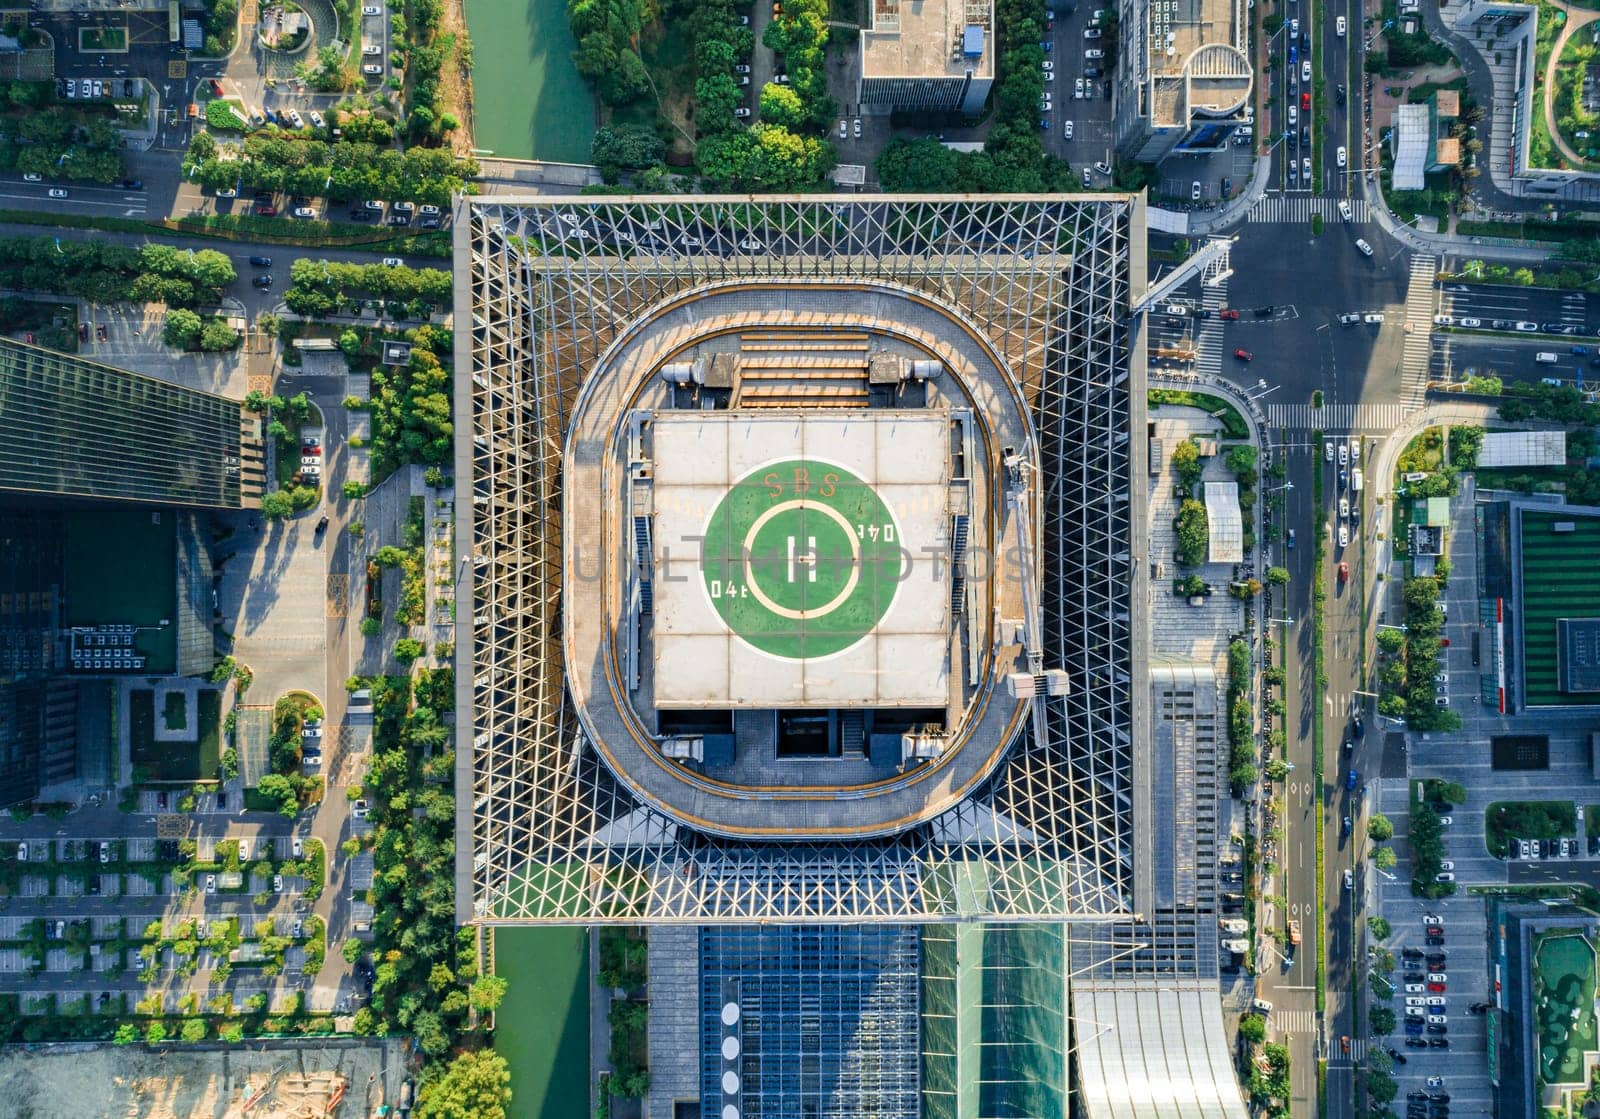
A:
x: 1559, y: 580
x: 121, y: 567
x: 542, y: 1027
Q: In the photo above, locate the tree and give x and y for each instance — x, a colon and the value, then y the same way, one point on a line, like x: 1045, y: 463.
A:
x: 1384, y: 858
x: 1278, y: 576
x: 781, y: 105
x: 475, y: 1086
x: 1193, y: 533
x: 1381, y: 1019
x: 1380, y: 1086
x: 182, y: 329
x: 1391, y: 641
x: 217, y: 336
x: 1253, y: 1028
x: 275, y: 786
x: 486, y: 993
x: 1241, y: 461
x: 1186, y: 465
x: 232, y: 1033
x: 408, y: 649
x: 627, y: 147
x: 1379, y: 927
x: 1277, y: 769
x: 1379, y: 828
x: 1243, y: 775
x: 194, y: 1029
x: 277, y: 505
x: 126, y: 1034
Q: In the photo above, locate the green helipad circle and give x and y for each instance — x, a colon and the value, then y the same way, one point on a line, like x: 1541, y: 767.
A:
x: 801, y: 559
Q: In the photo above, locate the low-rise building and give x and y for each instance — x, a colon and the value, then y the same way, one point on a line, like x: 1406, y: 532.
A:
x: 930, y: 55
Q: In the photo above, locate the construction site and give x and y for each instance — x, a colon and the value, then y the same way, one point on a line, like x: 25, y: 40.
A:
x: 299, y: 1080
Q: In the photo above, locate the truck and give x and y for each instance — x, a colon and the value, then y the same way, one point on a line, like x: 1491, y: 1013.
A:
x: 1294, y: 934
x: 1356, y: 479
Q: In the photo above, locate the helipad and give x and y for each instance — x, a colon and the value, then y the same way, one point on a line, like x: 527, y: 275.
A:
x: 802, y: 560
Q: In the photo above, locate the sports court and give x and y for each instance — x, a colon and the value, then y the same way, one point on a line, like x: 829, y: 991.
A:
x: 1556, y: 584
x: 1563, y: 1005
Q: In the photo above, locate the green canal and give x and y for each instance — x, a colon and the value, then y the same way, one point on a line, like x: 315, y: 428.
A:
x: 529, y: 101
x: 542, y: 1027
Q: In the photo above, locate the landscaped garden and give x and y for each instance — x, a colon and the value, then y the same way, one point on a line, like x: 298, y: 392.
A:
x: 1527, y: 819
x: 1563, y: 1004
x: 194, y: 757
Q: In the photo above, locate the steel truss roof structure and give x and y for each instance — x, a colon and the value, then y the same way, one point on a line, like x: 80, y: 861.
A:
x: 544, y: 286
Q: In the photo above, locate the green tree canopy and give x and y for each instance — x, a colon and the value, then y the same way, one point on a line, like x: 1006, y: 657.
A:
x: 475, y: 1086
x: 1380, y: 828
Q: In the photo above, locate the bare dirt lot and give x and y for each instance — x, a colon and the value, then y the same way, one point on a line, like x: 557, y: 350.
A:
x: 288, y: 1080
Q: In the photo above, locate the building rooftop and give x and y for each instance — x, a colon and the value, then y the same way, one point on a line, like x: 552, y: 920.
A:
x: 1523, y: 448
x: 929, y: 39
x: 1412, y: 139
x: 1197, y: 60
x: 1225, y: 523
x: 1448, y: 102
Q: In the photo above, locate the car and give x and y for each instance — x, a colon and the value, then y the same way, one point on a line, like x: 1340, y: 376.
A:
x: 1349, y: 879
x: 1447, y: 865
x: 1433, y: 941
x: 304, y: 212
x: 296, y: 119
x: 1418, y: 1012
x: 360, y: 809
x: 1436, y: 961
x: 1339, y: 26
x: 1346, y: 828
x: 312, y: 729
x: 1049, y: 75
x: 1397, y: 1055
x: 1305, y: 101
x: 57, y: 192
x: 844, y: 129
x: 1344, y: 536
x: 1047, y: 65
x: 1066, y: 130
x: 855, y: 128
x: 1415, y: 989
x: 1344, y: 571
x: 1444, y: 320
x: 1294, y: 113
x: 1416, y: 1000
x: 1350, y: 317
x: 227, y: 192
x: 1352, y: 779
x: 32, y: 177
x: 1344, y: 507
x: 1077, y: 88
x: 277, y: 883
x: 266, y: 210
x: 1361, y: 244
x: 261, y: 262
x: 1435, y: 1082
x: 1228, y: 313
x: 1327, y: 450
x: 105, y: 853
x: 1290, y: 541
x: 263, y: 281
x: 1305, y: 73
x: 1432, y: 919
x: 1094, y: 53
x: 61, y: 930
x: 372, y: 69
x: 211, y: 883
x: 299, y: 928
x: 1261, y: 1007
x: 1436, y: 988
x: 1436, y: 1001
x: 1416, y: 1042
x: 1340, y: 157
x: 1092, y: 33
x: 1244, y: 355
x: 1469, y: 322
x: 1446, y: 821
x: 1437, y: 977
x: 1442, y: 1027
x: 1526, y: 327
x: 371, y: 50
x: 393, y: 262
x: 371, y: 10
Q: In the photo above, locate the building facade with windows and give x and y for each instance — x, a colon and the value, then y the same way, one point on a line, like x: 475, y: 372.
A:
x: 931, y: 55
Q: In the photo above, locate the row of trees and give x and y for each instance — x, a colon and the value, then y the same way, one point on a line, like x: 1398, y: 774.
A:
x: 343, y: 170
x: 786, y: 149
x: 1411, y: 658
x: 108, y: 273
x: 321, y: 287
x: 1524, y: 400
x: 410, y: 405
x: 62, y: 143
x: 1013, y: 157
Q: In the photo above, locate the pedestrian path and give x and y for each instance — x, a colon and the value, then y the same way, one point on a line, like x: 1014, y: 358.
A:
x: 1300, y: 207
x: 1418, y: 349
x: 1338, y: 417
x: 1208, y: 339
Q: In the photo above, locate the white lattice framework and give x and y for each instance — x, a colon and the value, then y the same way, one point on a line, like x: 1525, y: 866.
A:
x: 546, y: 834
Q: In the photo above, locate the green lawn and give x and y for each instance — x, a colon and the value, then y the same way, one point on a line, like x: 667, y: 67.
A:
x: 1554, y: 587
x: 542, y: 1028
x: 121, y: 567
x: 175, y: 711
x: 196, y: 760
x: 1563, y: 995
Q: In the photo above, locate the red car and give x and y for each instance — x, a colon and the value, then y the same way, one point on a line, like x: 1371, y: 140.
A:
x: 1344, y: 1043
x: 1227, y: 313
x: 1244, y: 355
x: 1435, y: 930
x: 1344, y: 571
x: 267, y: 211
x: 1305, y: 102
x: 1436, y: 988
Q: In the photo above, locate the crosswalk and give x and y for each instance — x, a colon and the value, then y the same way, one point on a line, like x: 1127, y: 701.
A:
x: 1208, y: 340
x: 1338, y: 417
x: 1418, y: 347
x: 1294, y: 1021
x: 1300, y: 208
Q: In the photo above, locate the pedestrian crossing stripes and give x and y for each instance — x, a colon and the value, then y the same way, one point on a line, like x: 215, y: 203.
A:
x: 1208, y: 340
x: 1418, y: 347
x: 1338, y: 417
x: 1300, y: 207
x: 1294, y: 1021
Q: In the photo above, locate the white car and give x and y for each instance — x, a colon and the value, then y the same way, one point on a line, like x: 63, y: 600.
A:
x: 1416, y: 1000
x: 1194, y: 191
x: 1340, y: 157
x: 1345, y: 212
x: 296, y: 119
x: 32, y: 177
x: 1349, y: 880
x: 1469, y: 322
x: 855, y: 128
x: 1416, y: 988
x: 1348, y: 319
x: 1047, y: 65
x: 1355, y: 451
x: 1067, y: 130
x: 1344, y: 508
x: 1444, y: 320
x: 211, y: 883
x: 1414, y: 1011
x: 1327, y: 448
x: 372, y: 70
x: 1305, y: 70
x: 1294, y: 29
x: 1372, y: 317
x: 1436, y: 1082
x: 371, y: 50
x: 393, y: 262
x: 22, y: 852
x: 277, y: 883
x: 371, y: 10
x: 1366, y: 249
x: 297, y: 847
x: 57, y: 192
x: 1077, y: 89
x: 1446, y: 876
x: 1438, y: 1019
x: 751, y: 244
x: 844, y: 129
x: 1339, y: 26
x: 1344, y: 540
x: 1436, y: 1000
x: 1447, y: 865
x: 304, y: 212
x: 1294, y: 113
x: 1344, y: 452
x: 1049, y: 75
x: 1305, y: 169
x: 316, y: 119
x: 1446, y: 821
x: 1093, y: 53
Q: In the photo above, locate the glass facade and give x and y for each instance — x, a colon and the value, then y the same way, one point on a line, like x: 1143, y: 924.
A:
x: 76, y: 428
x: 827, y: 1027
x: 994, y: 1021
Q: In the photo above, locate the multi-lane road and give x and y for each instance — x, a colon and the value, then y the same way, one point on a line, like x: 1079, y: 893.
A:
x: 1310, y: 122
